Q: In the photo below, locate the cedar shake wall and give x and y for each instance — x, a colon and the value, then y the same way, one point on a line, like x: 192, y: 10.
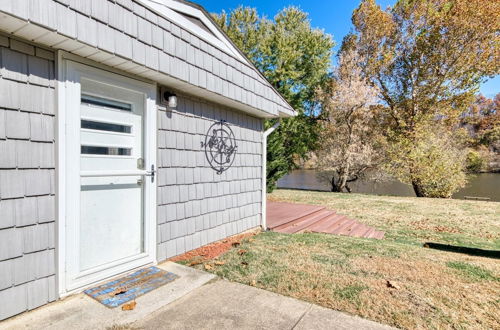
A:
x: 129, y: 30
x: 197, y: 206
x: 27, y: 201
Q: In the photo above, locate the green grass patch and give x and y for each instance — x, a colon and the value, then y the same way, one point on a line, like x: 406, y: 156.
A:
x: 350, y: 292
x: 395, y: 280
x: 472, y: 271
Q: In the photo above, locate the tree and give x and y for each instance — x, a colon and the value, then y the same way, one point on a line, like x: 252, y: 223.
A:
x: 350, y: 134
x: 427, y: 58
x: 295, y: 58
x: 481, y: 122
x: 481, y: 119
x: 432, y: 161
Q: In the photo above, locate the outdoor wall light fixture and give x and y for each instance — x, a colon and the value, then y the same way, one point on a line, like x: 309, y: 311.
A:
x: 171, y: 99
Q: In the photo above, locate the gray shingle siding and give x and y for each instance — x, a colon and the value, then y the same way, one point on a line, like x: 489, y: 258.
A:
x: 128, y: 23
x: 27, y: 202
x: 196, y: 206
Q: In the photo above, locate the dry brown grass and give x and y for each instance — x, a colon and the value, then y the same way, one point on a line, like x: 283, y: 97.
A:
x: 414, y: 219
x: 394, y: 281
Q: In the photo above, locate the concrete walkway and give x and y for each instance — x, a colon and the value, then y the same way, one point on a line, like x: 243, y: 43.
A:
x: 196, y: 300
x: 225, y: 305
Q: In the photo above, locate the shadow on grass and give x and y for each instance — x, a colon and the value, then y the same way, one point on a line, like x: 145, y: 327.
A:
x: 464, y: 250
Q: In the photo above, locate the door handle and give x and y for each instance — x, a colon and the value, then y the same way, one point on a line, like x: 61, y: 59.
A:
x: 151, y: 173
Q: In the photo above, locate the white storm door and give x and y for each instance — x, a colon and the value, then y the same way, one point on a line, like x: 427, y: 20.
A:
x: 110, y: 210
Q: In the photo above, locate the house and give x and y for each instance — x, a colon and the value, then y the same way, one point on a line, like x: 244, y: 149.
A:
x: 131, y: 131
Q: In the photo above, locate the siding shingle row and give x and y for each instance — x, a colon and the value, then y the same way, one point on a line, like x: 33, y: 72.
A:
x: 27, y: 169
x: 197, y: 206
x: 131, y: 31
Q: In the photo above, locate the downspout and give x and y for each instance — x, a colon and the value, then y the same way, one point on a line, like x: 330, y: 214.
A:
x: 264, y: 172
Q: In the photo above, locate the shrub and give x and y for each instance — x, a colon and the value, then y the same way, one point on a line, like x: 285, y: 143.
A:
x: 431, y: 161
x: 474, y: 162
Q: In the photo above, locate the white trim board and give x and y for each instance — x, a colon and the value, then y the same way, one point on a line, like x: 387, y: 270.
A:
x: 64, y: 87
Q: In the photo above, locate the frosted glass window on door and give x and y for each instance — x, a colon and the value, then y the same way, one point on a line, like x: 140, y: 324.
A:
x: 111, y: 151
x: 107, y: 127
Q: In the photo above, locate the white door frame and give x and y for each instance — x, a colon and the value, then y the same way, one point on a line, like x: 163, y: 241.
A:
x: 70, y: 68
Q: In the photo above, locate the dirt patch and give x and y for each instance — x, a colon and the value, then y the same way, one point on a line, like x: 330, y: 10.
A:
x: 216, y: 249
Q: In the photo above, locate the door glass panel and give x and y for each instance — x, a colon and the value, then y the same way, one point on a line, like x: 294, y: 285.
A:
x: 108, y: 127
x: 111, y: 151
x: 103, y: 102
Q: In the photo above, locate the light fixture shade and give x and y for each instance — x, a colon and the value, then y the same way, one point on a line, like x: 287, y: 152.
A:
x: 172, y: 101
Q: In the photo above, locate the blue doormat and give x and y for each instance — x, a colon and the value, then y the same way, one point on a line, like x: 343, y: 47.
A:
x: 127, y: 288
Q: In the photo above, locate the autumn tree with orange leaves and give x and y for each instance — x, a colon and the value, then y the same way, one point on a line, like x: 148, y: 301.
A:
x: 427, y: 58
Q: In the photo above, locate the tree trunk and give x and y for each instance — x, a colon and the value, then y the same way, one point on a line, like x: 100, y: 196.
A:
x: 342, y: 182
x: 417, y: 189
x: 339, y: 185
x: 335, y: 187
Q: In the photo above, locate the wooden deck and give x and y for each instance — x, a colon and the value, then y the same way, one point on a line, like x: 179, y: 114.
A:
x: 292, y: 218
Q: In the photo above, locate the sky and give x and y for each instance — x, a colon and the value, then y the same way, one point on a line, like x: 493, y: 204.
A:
x: 334, y: 16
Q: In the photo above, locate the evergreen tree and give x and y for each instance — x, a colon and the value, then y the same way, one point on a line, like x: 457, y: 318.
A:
x: 296, y: 60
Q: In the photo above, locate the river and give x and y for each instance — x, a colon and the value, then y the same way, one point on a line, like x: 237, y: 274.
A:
x: 485, y: 185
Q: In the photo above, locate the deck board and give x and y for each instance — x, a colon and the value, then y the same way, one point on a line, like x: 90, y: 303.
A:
x: 292, y: 218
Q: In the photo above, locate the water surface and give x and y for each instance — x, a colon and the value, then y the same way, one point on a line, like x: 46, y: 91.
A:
x: 486, y: 185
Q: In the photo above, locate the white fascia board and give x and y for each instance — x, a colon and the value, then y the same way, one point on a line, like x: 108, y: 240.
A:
x: 287, y: 113
x: 163, y: 8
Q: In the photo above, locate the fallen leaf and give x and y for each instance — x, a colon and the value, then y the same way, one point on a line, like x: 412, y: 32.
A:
x: 194, y: 263
x: 118, y: 291
x: 219, y: 263
x: 253, y: 283
x: 209, y: 267
x: 242, y: 252
x: 392, y: 285
x: 251, y: 240
x: 130, y: 306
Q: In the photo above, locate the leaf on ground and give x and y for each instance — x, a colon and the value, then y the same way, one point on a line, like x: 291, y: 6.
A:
x: 118, y: 291
x: 242, y: 252
x: 195, y: 262
x: 253, y: 283
x: 392, y: 285
x: 219, y: 263
x: 209, y: 267
x: 130, y: 306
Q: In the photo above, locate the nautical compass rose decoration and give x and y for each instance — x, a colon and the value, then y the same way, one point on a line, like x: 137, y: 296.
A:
x: 220, y: 146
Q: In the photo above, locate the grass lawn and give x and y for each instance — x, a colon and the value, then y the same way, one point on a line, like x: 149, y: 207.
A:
x: 393, y: 281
